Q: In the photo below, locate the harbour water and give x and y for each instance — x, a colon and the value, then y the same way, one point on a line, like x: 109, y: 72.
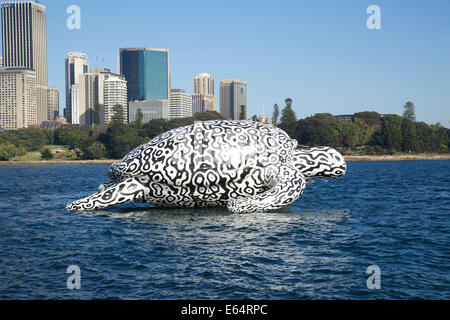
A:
x: 394, y: 215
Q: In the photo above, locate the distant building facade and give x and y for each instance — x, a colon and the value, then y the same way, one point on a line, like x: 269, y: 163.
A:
x: 158, y: 109
x: 233, y: 97
x: 180, y: 104
x: 115, y: 92
x: 18, y: 107
x: 204, y: 84
x: 75, y: 104
x: 264, y: 119
x: 90, y: 91
x: 347, y: 117
x: 24, y: 41
x: 50, y: 125
x: 52, y: 103
x: 76, y: 64
x: 203, y: 97
x: 147, y: 73
x: 202, y: 103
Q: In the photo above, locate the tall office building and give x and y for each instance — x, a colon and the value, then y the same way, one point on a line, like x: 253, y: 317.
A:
x: 180, y: 104
x: 18, y: 107
x: 233, y: 97
x: 115, y: 92
x: 202, y: 103
x: 204, y: 84
x: 147, y: 73
x: 76, y: 64
x: 1, y: 62
x: 87, y: 96
x: 52, y: 103
x: 24, y: 44
x: 203, y: 98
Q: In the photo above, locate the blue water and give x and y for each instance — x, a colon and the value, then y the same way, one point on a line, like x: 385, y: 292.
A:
x: 395, y: 215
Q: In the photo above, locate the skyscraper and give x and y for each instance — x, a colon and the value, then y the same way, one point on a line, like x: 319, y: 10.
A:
x: 203, y: 97
x: 17, y: 98
x: 204, y: 84
x: 76, y: 63
x: 24, y: 44
x: 180, y: 105
x: 233, y: 98
x: 202, y: 103
x: 52, y: 103
x: 115, y: 92
x: 90, y: 91
x: 147, y: 73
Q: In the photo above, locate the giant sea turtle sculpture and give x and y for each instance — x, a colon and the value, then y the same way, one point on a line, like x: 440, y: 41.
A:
x: 245, y: 165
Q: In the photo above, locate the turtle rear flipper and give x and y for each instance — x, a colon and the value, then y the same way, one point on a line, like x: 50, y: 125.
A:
x: 286, y: 187
x: 124, y: 191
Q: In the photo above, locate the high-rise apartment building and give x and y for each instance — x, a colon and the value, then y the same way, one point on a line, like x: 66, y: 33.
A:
x: 147, y: 73
x: 90, y: 91
x: 203, y: 97
x: 76, y: 64
x: 52, y: 103
x: 24, y: 44
x: 233, y: 99
x: 180, y: 104
x: 115, y: 92
x: 18, y: 107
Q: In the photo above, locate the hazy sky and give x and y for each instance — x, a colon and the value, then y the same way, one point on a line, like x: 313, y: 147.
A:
x: 319, y: 53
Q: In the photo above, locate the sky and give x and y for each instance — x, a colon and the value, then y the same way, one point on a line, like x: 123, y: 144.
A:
x: 319, y: 53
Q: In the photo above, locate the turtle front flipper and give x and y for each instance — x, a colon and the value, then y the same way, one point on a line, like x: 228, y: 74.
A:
x: 287, y: 185
x: 127, y: 190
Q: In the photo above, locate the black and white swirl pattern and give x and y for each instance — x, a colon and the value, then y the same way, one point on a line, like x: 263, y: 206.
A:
x: 248, y: 165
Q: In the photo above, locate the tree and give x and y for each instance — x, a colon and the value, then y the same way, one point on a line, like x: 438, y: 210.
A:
x: 46, y: 154
x: 392, y: 132
x: 9, y: 151
x: 275, y: 114
x: 95, y: 151
x: 318, y: 130
x: 409, y: 112
x: 254, y: 118
x: 242, y: 113
x: 117, y: 118
x: 73, y: 136
x: 409, y: 136
x: 287, y: 114
x: 208, y: 115
x: 97, y: 113
x: 139, y: 117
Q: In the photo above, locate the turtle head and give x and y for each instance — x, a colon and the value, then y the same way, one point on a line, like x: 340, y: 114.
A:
x: 320, y: 162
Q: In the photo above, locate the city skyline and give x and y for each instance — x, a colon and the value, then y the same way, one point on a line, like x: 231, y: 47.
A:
x: 322, y: 56
x: 24, y: 44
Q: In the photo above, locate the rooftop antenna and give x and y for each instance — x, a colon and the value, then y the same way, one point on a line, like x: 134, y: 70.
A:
x: 263, y: 110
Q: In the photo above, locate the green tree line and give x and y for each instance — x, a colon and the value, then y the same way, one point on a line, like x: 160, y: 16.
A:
x: 375, y: 133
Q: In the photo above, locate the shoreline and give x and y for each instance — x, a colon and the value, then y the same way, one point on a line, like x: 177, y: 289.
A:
x: 405, y: 157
